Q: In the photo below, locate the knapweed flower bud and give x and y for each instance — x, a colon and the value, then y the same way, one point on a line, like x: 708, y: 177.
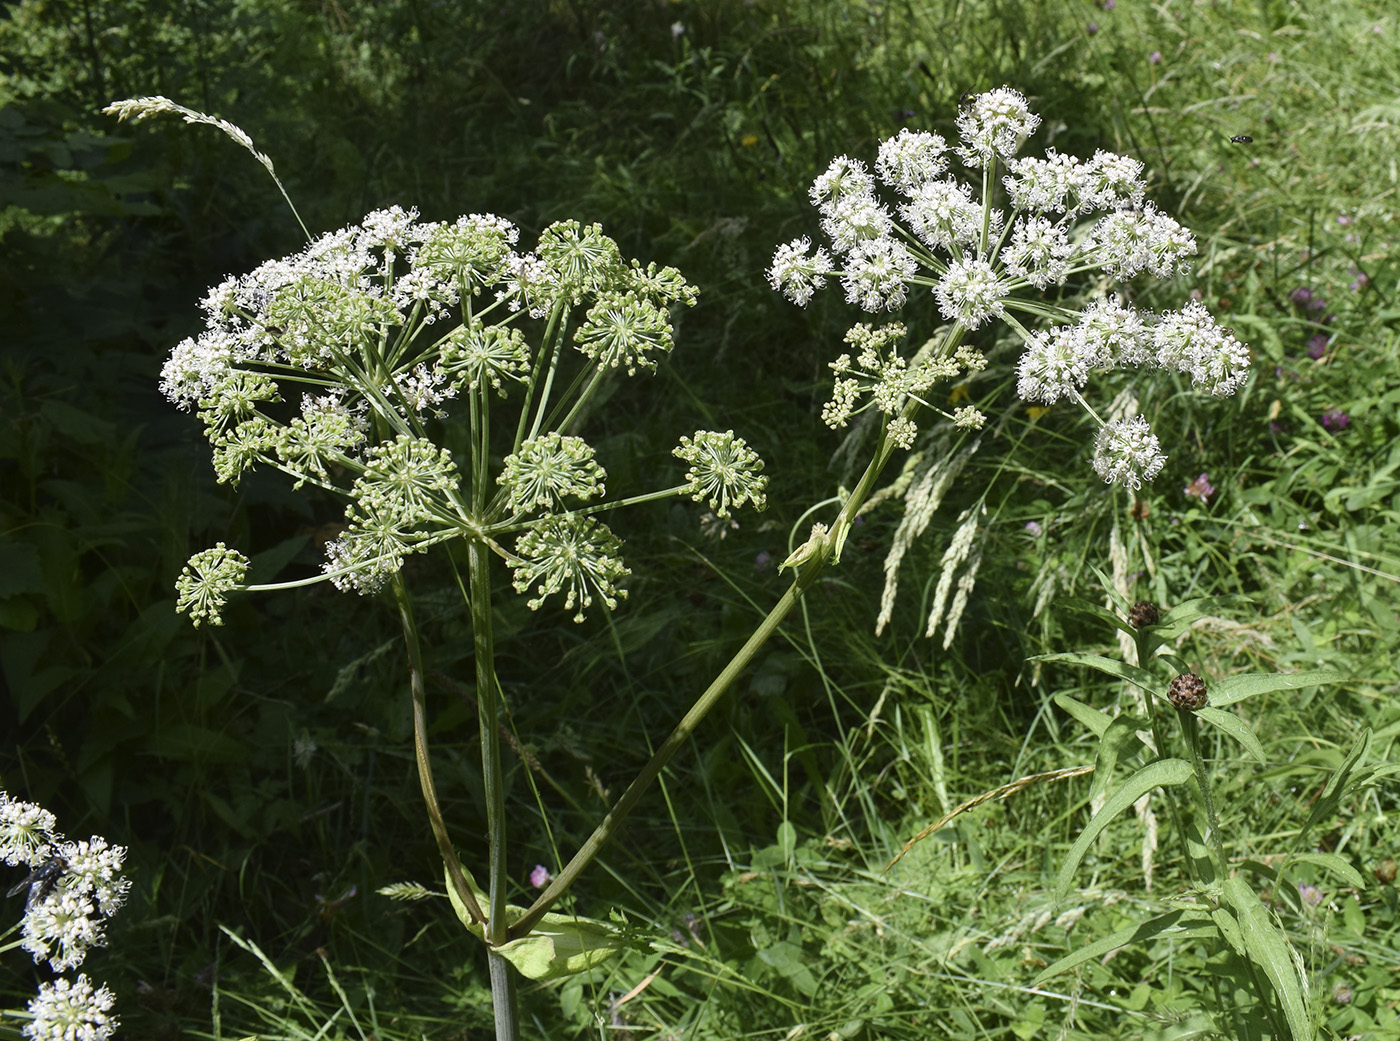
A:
x: 1188, y: 691
x: 1143, y: 614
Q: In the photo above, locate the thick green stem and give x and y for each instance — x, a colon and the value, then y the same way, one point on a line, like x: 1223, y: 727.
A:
x: 807, y: 572
x: 493, y: 779
x: 420, y: 751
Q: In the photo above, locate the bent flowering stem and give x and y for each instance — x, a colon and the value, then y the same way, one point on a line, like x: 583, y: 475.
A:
x: 821, y: 549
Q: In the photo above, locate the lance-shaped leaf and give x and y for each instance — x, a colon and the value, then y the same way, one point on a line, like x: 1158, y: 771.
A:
x: 1162, y: 773
x: 1110, y: 666
x: 1266, y: 946
x: 1237, y: 728
x: 1179, y: 924
x: 558, y: 945
x: 1236, y: 688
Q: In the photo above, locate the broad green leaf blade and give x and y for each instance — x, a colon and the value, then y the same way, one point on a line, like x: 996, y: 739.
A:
x: 1093, y: 610
x: 1110, y: 666
x: 1162, y: 773
x: 1119, y: 741
x: 1097, y: 721
x: 1267, y: 947
x: 1332, y: 863
x: 561, y: 945
x: 1232, y: 725
x: 1236, y: 688
x: 558, y: 945
x: 1184, y: 924
x: 1179, y: 618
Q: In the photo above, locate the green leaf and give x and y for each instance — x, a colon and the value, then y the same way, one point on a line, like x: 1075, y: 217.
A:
x: 1346, y: 777
x: 1332, y: 863
x: 1093, y: 610
x: 1110, y: 666
x: 1119, y: 741
x: 1237, y: 688
x: 1182, y: 923
x: 1162, y: 773
x: 559, y: 945
x: 1232, y: 725
x: 19, y: 569
x: 1179, y: 618
x: 1095, y: 719
x: 1266, y: 946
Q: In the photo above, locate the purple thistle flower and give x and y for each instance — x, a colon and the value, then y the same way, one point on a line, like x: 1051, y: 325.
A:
x: 1200, y: 488
x: 1317, y: 346
x: 1335, y: 419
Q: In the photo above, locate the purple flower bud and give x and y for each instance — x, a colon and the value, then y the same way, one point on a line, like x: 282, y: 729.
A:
x: 1108, y: 5
x: 1092, y: 28
x: 1301, y: 296
x: 1311, y: 895
x: 1155, y: 58
x: 1335, y: 419
x: 1317, y: 346
x: 1034, y: 528
x: 540, y: 877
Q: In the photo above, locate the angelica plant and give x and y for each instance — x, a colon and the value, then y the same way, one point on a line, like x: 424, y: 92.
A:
x: 987, y: 251
x: 342, y: 365
x: 71, y: 890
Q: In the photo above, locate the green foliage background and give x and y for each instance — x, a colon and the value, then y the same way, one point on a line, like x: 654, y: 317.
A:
x: 262, y: 773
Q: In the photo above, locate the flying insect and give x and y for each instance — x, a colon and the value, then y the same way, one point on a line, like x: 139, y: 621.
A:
x: 40, y: 881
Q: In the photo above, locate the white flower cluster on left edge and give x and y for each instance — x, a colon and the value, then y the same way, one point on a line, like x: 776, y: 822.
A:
x: 72, y: 889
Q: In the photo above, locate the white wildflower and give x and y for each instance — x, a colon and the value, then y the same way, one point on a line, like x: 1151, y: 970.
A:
x: 910, y: 160
x: 993, y: 125
x: 1126, y: 452
x: 877, y: 274
x: 71, y: 1011
x: 970, y: 292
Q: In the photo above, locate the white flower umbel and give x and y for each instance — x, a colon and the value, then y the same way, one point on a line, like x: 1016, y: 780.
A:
x: 76, y: 1011
x: 1068, y: 221
x: 980, y: 262
x: 27, y: 832
x: 72, y: 888
x: 1126, y: 452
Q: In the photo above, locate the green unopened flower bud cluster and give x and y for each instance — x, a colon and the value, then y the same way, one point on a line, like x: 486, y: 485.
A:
x: 1066, y: 217
x: 333, y: 364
